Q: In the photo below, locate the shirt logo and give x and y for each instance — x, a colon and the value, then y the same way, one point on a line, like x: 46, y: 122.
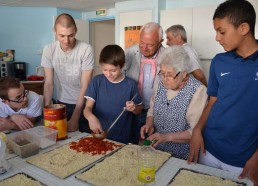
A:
x: 223, y: 74
x: 256, y: 77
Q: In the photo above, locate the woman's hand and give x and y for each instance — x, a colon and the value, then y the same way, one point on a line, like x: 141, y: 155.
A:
x: 149, y: 129
x: 159, y: 138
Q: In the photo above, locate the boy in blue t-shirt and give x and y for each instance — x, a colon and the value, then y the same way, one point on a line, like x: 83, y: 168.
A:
x: 109, y: 93
x: 228, y: 127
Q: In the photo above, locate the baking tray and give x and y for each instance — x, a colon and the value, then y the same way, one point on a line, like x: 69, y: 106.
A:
x: 72, y: 158
x: 197, y: 172
x: 28, y: 176
x: 127, y: 165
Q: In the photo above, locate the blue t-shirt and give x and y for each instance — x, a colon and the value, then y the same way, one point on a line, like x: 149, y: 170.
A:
x: 110, y: 99
x: 231, y: 132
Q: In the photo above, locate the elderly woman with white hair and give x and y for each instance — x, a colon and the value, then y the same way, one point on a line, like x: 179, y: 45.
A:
x: 176, y: 105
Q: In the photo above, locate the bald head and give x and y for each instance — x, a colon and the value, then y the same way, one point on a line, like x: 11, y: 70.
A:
x: 65, y: 30
x: 65, y: 20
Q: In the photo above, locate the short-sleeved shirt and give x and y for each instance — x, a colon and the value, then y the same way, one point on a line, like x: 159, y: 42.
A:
x: 68, y: 67
x: 110, y: 99
x: 194, y: 62
x: 231, y: 132
x: 33, y: 109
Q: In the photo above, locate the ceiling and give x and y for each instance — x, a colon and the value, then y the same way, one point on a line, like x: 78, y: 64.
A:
x: 81, y: 5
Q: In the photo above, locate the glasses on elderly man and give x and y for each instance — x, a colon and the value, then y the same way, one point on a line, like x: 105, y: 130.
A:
x: 169, y: 75
x: 21, y: 98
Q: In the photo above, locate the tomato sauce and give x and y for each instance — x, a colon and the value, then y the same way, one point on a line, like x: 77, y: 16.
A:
x: 93, y: 146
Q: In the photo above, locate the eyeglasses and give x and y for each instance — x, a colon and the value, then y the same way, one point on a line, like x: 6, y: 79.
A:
x: 21, y: 98
x: 169, y: 76
x: 142, y: 44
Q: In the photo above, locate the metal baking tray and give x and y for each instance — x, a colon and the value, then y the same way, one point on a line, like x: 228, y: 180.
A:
x: 197, y: 172
x: 89, y: 165
x: 28, y: 176
x: 109, y: 155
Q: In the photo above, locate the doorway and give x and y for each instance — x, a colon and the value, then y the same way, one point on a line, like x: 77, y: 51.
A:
x: 102, y: 33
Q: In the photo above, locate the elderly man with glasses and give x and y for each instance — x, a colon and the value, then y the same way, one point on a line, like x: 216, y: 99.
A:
x: 141, y: 65
x: 176, y: 105
x: 19, y: 108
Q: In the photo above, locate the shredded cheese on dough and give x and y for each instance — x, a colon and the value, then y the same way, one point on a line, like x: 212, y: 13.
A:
x: 186, y: 178
x: 121, y: 168
x: 19, y: 179
x: 64, y: 161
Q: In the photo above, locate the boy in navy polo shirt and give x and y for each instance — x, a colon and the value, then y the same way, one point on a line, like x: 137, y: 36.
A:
x: 109, y: 93
x: 228, y: 127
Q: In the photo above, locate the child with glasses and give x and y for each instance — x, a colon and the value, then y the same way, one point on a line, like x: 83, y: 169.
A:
x: 176, y: 105
x: 19, y: 108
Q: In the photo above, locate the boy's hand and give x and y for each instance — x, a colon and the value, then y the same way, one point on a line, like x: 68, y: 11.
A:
x: 95, y: 125
x: 7, y: 124
x: 22, y: 121
x: 251, y: 169
x: 196, y: 143
x: 130, y: 106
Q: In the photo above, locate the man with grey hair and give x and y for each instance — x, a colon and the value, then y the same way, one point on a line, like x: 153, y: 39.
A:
x: 141, y: 65
x: 176, y: 35
x: 176, y: 106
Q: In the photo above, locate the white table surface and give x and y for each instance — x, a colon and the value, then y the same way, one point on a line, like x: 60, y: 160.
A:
x: 163, y: 175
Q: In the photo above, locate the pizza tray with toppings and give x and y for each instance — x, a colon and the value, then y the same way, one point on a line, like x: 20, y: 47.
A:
x: 68, y: 159
x: 185, y: 177
x: 21, y: 179
x: 120, y: 168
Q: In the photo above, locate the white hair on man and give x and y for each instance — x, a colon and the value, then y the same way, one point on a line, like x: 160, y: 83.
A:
x: 151, y: 27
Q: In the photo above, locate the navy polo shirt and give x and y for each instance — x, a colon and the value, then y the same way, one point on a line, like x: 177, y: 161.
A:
x: 110, y: 99
x: 231, y: 132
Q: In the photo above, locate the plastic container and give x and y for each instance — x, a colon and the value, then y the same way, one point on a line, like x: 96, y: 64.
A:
x: 23, y: 143
x: 47, y: 136
x: 4, y: 165
x: 147, y: 160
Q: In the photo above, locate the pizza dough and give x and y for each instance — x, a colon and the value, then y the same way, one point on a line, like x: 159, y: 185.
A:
x: 121, y: 168
x: 186, y: 178
x: 21, y: 180
x: 65, y: 161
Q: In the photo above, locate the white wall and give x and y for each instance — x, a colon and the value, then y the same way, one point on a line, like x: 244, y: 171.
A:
x: 172, y: 4
x: 92, y: 17
x: 155, y: 6
x: 134, y: 6
x: 137, y: 18
x: 100, y: 40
